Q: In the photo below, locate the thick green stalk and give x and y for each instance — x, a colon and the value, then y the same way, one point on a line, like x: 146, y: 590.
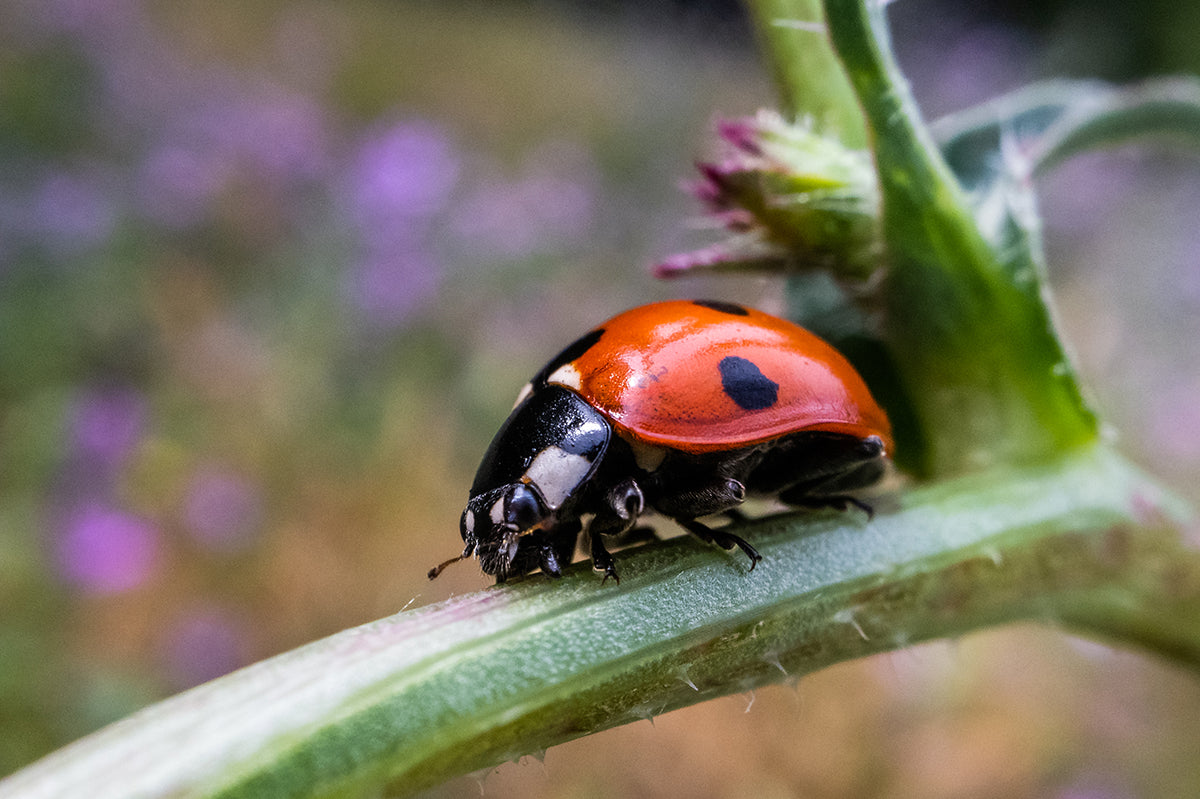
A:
x: 967, y: 322
x: 811, y: 81
x: 426, y: 695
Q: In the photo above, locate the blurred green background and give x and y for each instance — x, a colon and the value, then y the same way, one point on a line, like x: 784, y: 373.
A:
x: 271, y: 274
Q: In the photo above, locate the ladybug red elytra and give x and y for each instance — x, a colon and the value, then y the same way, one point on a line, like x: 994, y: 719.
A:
x: 680, y: 407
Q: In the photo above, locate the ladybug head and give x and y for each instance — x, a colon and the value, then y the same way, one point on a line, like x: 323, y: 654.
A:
x: 503, y: 526
x: 523, y: 508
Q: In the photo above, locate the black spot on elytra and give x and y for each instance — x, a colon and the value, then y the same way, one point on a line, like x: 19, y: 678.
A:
x: 746, y: 384
x: 723, y: 307
x: 573, y: 351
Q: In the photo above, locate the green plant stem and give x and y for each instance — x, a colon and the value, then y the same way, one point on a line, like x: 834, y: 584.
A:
x: 811, y: 81
x: 967, y: 322
x: 420, y: 697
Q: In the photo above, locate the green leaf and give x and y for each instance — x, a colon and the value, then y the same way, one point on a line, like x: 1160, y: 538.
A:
x: 412, y: 700
x: 1041, y: 125
x: 996, y: 149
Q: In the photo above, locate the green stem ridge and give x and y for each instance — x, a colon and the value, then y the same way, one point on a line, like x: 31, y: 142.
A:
x: 425, y: 695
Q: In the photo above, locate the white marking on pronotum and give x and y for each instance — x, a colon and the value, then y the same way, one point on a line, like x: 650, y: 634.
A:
x: 647, y: 456
x: 526, y: 390
x: 557, y: 473
x: 469, y: 521
x: 566, y: 375
x: 497, y: 512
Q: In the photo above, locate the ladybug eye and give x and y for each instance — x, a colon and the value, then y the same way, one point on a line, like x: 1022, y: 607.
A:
x: 521, y: 508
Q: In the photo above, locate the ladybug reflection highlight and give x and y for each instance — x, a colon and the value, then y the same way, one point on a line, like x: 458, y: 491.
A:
x: 683, y: 408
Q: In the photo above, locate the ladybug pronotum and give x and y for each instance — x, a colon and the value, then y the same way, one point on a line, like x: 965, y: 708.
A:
x: 683, y: 408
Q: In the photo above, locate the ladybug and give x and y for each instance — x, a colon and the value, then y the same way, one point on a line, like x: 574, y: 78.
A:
x: 684, y: 408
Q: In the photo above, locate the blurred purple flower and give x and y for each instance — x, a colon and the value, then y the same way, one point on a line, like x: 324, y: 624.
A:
x: 276, y: 134
x: 401, y: 175
x: 1080, y: 195
x: 387, y: 287
x: 984, y: 61
x: 400, y: 179
x: 521, y: 218
x: 177, y: 184
x: 203, y: 644
x: 70, y: 213
x: 561, y: 185
x: 103, y: 550
x: 222, y: 510
x: 280, y: 134
x: 1175, y: 421
x: 196, y: 127
x: 493, y: 220
x: 106, y: 424
x: 63, y: 213
x: 549, y: 205
x: 82, y: 18
x: 958, y: 56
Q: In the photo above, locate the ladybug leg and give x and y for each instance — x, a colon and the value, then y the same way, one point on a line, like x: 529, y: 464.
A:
x: 622, y: 506
x: 558, y: 550
x: 549, y: 559
x: 829, y: 491
x: 722, y: 495
x: 719, y: 496
x: 821, y: 470
x: 721, y: 538
x: 840, y: 502
x: 636, y: 535
x: 602, y: 560
x: 818, y: 463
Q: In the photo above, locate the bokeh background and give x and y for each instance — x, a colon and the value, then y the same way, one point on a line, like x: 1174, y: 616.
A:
x: 272, y: 272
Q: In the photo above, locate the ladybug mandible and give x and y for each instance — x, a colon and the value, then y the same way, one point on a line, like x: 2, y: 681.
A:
x: 680, y: 407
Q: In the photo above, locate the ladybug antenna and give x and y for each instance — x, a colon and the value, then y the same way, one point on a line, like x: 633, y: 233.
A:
x: 438, y: 569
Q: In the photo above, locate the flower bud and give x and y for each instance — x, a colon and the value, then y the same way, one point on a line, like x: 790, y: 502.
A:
x: 792, y: 200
